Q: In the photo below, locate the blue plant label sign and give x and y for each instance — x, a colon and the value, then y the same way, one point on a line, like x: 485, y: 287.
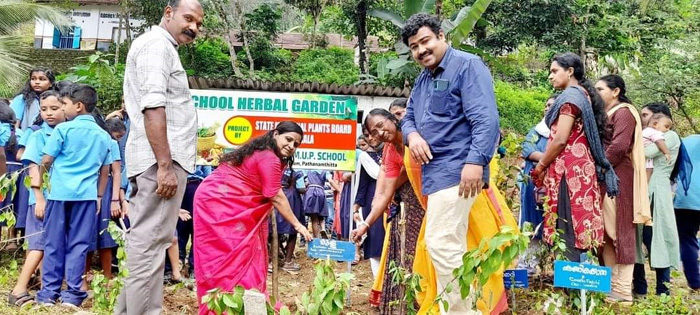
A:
x: 515, y: 278
x: 332, y: 249
x: 580, y: 276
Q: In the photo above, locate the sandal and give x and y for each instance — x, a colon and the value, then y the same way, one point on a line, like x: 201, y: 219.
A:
x: 20, y: 300
x: 291, y: 267
x: 357, y: 260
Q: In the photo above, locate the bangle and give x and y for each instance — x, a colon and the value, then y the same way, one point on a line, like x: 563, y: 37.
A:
x: 35, y: 187
x: 117, y: 200
x: 363, y: 222
x: 540, y: 163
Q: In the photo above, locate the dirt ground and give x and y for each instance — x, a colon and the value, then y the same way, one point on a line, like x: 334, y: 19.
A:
x: 180, y: 300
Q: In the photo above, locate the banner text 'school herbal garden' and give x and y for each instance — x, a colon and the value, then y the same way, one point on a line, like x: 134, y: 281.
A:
x: 228, y: 119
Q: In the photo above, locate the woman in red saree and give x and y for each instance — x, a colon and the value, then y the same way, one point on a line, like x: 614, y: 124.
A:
x: 231, y: 210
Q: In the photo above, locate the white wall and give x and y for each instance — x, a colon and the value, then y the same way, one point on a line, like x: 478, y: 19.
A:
x: 368, y: 103
x: 98, y: 23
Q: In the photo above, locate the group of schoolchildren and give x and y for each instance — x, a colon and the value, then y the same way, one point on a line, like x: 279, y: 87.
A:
x: 310, y: 194
x: 67, y: 168
x: 54, y: 129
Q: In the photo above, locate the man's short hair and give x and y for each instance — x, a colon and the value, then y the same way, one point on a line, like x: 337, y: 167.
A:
x: 174, y: 3
x: 418, y: 20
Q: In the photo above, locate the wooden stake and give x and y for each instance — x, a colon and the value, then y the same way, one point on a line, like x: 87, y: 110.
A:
x: 275, y: 259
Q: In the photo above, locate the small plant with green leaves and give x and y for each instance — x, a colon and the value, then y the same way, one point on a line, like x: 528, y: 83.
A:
x: 206, y: 132
x: 232, y: 303
x: 8, y: 188
x: 221, y: 302
x: 107, y: 291
x: 682, y: 301
x: 480, y: 263
x: 409, y: 283
x: 508, y: 169
x: 328, y: 293
x: 326, y: 297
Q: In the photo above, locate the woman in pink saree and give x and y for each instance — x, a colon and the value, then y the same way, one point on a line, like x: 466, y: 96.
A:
x: 231, y: 210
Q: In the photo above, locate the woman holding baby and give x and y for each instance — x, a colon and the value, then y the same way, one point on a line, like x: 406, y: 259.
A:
x: 661, y: 239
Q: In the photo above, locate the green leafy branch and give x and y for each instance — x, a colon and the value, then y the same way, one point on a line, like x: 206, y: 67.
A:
x: 480, y: 263
x: 8, y: 188
x: 107, y: 291
x: 221, y: 302
x: 326, y: 297
x: 409, y: 283
x: 507, y: 177
x: 328, y: 293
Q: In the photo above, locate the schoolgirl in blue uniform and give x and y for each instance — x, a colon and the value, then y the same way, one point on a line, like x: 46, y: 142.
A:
x: 7, y: 119
x: 185, y: 228
x: 8, y: 145
x: 75, y: 153
x: 26, y: 108
x: 315, y: 205
x: 111, y: 205
x: 51, y: 115
x: 293, y: 186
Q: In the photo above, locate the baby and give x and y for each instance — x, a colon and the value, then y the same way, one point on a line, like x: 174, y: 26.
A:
x: 653, y: 134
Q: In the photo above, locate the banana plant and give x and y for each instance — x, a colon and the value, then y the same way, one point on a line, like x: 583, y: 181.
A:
x: 457, y: 31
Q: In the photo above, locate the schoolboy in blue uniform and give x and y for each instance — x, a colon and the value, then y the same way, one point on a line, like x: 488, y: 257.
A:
x: 51, y: 110
x: 76, y: 151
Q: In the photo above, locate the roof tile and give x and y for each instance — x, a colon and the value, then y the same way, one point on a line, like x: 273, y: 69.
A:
x: 307, y: 87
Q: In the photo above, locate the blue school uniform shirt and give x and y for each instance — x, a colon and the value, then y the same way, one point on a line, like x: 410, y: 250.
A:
x: 79, y: 147
x: 18, y: 106
x: 691, y: 199
x: 5, y: 133
x: 114, y: 151
x: 454, y: 110
x: 23, y: 137
x: 122, y: 150
x: 32, y: 152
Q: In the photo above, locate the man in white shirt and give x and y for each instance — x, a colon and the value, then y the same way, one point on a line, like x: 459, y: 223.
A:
x: 160, y: 150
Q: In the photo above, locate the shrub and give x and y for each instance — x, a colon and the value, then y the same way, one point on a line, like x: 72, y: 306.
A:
x: 266, y: 56
x: 106, y: 78
x: 207, y: 58
x: 332, y: 65
x: 520, y: 109
x: 388, y: 78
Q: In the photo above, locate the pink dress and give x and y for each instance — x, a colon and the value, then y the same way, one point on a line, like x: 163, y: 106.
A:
x: 231, y: 209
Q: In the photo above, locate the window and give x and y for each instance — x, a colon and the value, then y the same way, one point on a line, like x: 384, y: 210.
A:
x: 67, y: 40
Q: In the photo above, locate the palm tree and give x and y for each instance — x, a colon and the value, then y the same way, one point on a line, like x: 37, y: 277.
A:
x: 13, y: 15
